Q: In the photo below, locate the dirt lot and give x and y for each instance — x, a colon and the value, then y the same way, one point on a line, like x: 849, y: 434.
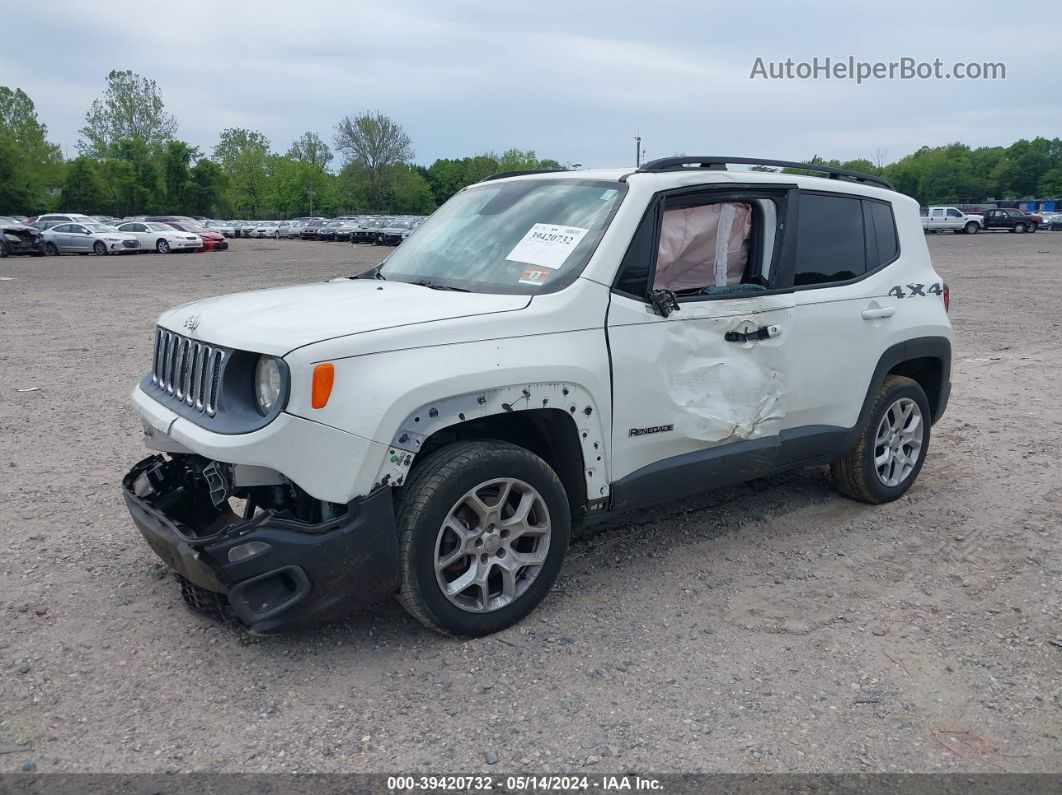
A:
x: 780, y: 629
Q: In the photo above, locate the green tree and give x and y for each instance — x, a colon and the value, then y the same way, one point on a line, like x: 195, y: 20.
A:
x: 133, y: 178
x: 309, y: 148
x: 83, y: 190
x: 33, y: 165
x: 244, y: 156
x: 1051, y: 183
x: 206, y: 188
x: 296, y: 187
x: 406, y: 191
x: 177, y: 157
x: 131, y: 107
x: 15, y: 194
x: 374, y: 142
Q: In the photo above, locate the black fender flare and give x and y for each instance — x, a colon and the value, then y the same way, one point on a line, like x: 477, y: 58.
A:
x: 938, y: 348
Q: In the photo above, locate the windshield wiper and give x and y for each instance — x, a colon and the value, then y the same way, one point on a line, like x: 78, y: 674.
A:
x: 433, y: 286
x: 372, y: 273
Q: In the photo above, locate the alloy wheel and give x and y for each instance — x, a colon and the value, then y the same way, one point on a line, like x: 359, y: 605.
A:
x: 898, y: 442
x: 492, y: 545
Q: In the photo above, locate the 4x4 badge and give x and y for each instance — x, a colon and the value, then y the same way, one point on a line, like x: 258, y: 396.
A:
x: 192, y: 323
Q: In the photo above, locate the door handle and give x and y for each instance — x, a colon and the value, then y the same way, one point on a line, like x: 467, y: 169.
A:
x: 761, y: 333
x: 879, y: 312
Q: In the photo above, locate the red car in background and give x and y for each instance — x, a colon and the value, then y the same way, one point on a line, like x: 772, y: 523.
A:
x: 212, y: 241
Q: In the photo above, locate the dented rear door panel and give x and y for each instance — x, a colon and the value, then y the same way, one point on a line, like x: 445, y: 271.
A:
x: 680, y: 387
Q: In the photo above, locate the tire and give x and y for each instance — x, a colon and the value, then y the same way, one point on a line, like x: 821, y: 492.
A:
x: 440, y: 489
x: 51, y: 249
x: 162, y: 246
x: 972, y: 228
x: 276, y: 235
x: 99, y: 248
x: 857, y: 475
x: 3, y: 249
x: 1019, y: 228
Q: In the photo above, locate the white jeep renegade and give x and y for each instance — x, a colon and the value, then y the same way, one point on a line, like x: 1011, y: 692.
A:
x: 548, y: 347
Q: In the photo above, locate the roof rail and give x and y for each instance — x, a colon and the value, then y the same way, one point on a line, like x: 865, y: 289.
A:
x: 718, y: 163
x: 523, y: 172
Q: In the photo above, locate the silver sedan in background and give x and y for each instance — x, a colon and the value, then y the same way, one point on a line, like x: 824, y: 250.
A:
x: 94, y: 238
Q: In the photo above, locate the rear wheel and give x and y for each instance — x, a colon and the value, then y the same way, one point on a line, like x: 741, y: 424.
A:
x: 1019, y: 228
x: 483, y: 531
x: 162, y: 246
x: 99, y: 248
x: 892, y: 444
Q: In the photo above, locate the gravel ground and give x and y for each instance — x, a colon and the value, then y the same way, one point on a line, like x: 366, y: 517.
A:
x: 776, y: 628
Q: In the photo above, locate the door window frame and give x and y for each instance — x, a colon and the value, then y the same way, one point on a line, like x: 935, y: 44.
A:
x: 869, y: 244
x: 780, y: 272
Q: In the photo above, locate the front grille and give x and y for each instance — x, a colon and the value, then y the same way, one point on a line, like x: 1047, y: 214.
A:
x: 188, y: 370
x: 203, y: 601
x: 131, y: 243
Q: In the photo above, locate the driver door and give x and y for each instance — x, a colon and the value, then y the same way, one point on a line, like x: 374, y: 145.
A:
x: 697, y: 328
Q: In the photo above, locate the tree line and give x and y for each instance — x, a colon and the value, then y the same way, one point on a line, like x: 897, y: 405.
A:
x: 130, y: 160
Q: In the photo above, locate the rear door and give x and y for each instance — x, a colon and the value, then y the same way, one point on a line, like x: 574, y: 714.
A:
x: 937, y: 219
x: 699, y: 387
x: 846, y: 314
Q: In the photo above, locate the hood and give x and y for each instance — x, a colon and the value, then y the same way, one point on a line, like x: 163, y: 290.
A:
x: 281, y: 319
x: 21, y: 229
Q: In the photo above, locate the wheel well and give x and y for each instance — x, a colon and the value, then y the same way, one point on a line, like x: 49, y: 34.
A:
x: 550, y: 434
x: 927, y: 372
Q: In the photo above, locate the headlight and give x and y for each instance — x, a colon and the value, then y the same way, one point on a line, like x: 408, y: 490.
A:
x: 267, y: 381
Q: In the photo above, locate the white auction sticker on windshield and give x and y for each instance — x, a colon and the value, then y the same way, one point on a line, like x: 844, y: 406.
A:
x: 547, y: 245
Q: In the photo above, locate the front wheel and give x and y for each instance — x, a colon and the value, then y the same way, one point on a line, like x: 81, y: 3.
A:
x: 483, y: 530
x: 972, y: 228
x: 892, y: 444
x: 51, y: 249
x: 3, y: 249
x: 162, y: 246
x: 99, y: 248
x: 1019, y: 228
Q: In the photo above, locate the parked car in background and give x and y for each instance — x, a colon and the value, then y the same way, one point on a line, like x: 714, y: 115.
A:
x: 160, y: 237
x: 394, y: 233
x: 212, y: 241
x: 951, y: 219
x: 342, y: 232
x: 91, y: 238
x: 220, y: 226
x: 49, y: 220
x: 291, y: 229
x: 312, y: 229
x: 268, y: 229
x: 328, y: 231
x: 1011, y: 219
x: 1052, y: 221
x: 17, y: 237
x: 366, y: 230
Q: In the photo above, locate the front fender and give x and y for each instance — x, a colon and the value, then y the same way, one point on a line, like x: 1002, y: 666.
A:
x: 399, y: 398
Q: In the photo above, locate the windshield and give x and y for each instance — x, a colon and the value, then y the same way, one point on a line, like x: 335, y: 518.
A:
x: 525, y: 236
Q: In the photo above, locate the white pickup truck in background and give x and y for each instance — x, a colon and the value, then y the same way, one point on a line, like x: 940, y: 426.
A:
x: 951, y: 219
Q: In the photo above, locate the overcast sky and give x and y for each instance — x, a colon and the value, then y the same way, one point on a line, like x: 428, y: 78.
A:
x: 572, y: 80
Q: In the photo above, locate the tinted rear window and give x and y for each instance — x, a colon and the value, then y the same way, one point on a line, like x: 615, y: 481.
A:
x: 830, y: 240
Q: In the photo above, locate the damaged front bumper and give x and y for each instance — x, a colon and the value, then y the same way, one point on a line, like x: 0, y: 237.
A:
x: 271, y: 573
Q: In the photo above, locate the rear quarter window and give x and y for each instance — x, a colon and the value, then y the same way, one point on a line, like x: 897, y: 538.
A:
x: 831, y: 244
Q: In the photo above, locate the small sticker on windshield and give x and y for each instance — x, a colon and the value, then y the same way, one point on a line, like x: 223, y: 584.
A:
x: 608, y: 194
x: 547, y: 245
x: 534, y: 276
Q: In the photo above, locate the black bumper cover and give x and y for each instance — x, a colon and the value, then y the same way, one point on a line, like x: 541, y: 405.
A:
x: 308, y: 574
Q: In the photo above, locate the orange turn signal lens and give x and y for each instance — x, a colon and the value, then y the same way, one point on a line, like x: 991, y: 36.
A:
x: 324, y: 375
